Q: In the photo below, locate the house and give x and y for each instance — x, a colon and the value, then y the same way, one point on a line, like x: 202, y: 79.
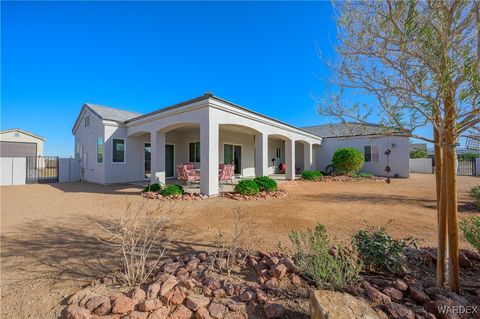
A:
x: 19, y: 143
x: 369, y: 139
x: 116, y: 146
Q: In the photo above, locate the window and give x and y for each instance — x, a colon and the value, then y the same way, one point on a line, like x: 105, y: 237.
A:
x: 99, y: 150
x: 194, y: 152
x: 16, y: 134
x: 118, y: 155
x: 87, y: 121
x: 77, y: 150
x: 279, y: 152
x: 372, y: 154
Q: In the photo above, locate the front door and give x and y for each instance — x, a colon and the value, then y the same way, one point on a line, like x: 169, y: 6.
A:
x: 232, y: 154
x: 148, y: 156
x: 169, y: 160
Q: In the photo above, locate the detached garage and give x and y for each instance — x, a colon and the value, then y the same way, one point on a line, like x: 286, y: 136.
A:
x: 19, y: 143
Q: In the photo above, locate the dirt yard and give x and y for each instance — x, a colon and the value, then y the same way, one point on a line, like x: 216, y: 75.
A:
x: 49, y: 247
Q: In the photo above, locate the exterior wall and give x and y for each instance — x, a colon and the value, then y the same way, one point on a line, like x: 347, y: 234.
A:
x: 13, y: 170
x: 399, y: 157
x: 91, y: 171
x: 23, y: 138
x: 421, y: 165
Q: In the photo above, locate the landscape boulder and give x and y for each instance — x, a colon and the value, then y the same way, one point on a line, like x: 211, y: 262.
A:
x: 334, y: 304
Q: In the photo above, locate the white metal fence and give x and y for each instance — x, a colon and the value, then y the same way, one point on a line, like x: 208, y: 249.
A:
x: 13, y: 170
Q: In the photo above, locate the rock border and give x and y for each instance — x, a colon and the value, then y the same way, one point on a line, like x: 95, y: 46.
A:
x: 279, y: 193
x: 186, y: 196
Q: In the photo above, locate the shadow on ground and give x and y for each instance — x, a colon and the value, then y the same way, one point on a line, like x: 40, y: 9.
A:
x: 68, y: 252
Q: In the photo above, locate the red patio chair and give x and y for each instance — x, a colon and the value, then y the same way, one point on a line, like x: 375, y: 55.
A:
x: 226, y: 174
x: 187, y: 176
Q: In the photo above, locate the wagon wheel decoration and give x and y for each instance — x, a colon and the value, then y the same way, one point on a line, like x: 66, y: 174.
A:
x: 388, y: 169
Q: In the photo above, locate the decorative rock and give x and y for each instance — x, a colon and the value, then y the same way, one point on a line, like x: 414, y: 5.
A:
x: 99, y: 305
x: 234, y: 315
x: 149, y: 305
x: 123, y: 304
x: 84, y: 294
x: 324, y: 301
x: 397, y: 311
x: 168, y: 285
x: 247, y: 296
x: 195, y: 302
x: 181, y: 312
x: 229, y: 289
x: 376, y: 296
x: 174, y: 297
x: 217, y: 310
x: 261, y: 296
x: 202, y: 313
x: 464, y: 261
x: 393, y: 293
x: 137, y: 315
x: 75, y: 312
x: 295, y: 279
x: 192, y: 265
x: 400, y: 285
x: 261, y: 268
x: 274, y: 310
x: 202, y: 256
x: 153, y: 290
x: 170, y: 267
x: 137, y: 293
x: 418, y: 295
x: 272, y: 261
x: 161, y: 313
x: 278, y: 271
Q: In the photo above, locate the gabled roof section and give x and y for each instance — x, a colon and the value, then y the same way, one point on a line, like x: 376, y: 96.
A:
x: 23, y: 132
x: 112, y: 114
x: 349, y: 129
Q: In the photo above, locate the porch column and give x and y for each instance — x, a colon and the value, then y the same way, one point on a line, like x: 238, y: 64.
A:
x: 307, y: 157
x: 157, y: 163
x: 261, y: 154
x: 290, y: 159
x: 209, y: 158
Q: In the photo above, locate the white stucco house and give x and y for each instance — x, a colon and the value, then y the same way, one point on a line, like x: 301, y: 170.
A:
x: 20, y: 143
x: 369, y: 139
x: 116, y: 146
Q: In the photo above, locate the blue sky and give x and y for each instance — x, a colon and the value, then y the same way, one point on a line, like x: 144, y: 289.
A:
x: 144, y: 56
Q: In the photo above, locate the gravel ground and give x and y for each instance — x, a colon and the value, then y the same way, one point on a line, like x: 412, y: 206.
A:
x: 49, y: 247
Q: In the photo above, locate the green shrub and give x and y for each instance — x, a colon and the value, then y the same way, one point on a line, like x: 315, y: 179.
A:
x: 247, y: 187
x: 471, y: 230
x: 311, y: 175
x: 419, y: 153
x: 152, y: 187
x: 265, y: 183
x: 347, y: 160
x: 380, y: 252
x: 312, y: 255
x: 172, y: 190
x: 475, y: 195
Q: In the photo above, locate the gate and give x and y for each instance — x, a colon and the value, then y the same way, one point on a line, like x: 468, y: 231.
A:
x: 466, y: 167
x: 42, y: 169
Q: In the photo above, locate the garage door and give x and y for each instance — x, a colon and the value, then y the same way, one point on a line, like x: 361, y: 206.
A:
x: 17, y: 149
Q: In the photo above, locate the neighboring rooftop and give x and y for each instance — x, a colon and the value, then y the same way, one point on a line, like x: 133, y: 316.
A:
x: 112, y: 114
x: 23, y: 132
x: 346, y: 129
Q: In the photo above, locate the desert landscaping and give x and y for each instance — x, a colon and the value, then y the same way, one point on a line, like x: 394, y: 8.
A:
x: 50, y: 233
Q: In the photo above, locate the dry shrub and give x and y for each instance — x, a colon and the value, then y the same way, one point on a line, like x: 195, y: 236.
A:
x: 237, y: 244
x: 141, y: 236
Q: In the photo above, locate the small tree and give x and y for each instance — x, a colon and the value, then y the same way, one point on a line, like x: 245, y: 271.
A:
x: 347, y: 160
x: 418, y: 154
x: 420, y: 62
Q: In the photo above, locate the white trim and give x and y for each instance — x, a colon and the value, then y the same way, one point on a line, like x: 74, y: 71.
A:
x: 124, y: 150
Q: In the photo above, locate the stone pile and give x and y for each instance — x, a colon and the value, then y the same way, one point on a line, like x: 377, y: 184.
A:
x: 280, y: 193
x: 190, y: 286
x: 186, y: 196
x: 345, y: 178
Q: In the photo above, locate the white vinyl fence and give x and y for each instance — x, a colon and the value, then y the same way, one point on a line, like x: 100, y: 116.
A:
x: 68, y: 170
x: 13, y: 170
x: 421, y: 165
